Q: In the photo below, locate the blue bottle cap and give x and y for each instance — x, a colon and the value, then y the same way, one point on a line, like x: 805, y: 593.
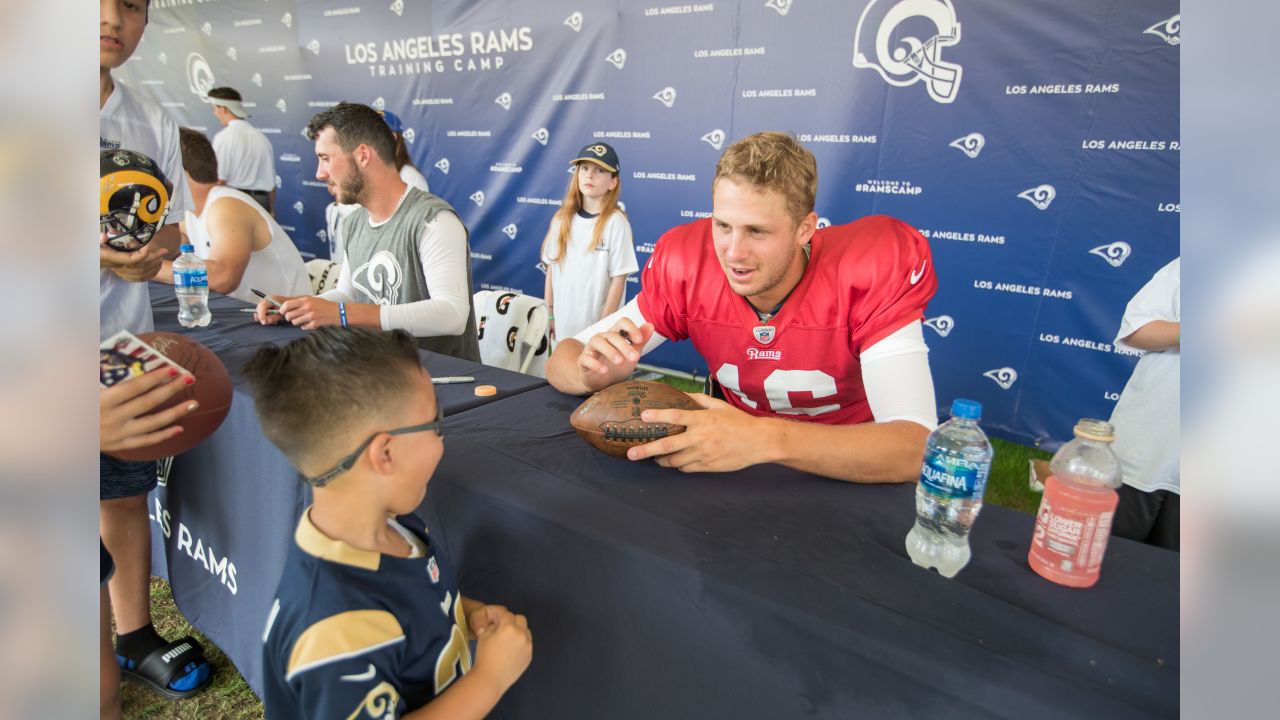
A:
x: 187, y: 248
x: 966, y: 409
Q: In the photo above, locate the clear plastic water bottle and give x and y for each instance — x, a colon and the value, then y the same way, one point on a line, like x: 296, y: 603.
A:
x: 191, y: 282
x: 1079, y: 502
x: 957, y: 459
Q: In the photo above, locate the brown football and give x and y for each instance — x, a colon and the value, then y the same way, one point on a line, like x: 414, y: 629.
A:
x: 610, y: 419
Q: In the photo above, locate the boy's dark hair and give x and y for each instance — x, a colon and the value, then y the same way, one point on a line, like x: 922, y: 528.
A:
x: 353, y: 125
x: 198, y: 158
x: 314, y: 393
x: 225, y: 93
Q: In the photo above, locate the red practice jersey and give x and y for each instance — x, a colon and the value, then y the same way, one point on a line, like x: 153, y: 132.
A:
x: 864, y: 281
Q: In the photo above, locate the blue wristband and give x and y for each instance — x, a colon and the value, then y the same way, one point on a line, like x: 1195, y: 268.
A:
x: 342, y: 313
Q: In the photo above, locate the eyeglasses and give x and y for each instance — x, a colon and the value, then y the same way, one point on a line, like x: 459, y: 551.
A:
x: 349, y: 461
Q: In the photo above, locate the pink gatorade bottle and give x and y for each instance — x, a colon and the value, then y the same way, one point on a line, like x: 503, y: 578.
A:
x: 1079, y: 502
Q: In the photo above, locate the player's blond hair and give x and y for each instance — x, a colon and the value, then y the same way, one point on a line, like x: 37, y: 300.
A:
x: 773, y: 161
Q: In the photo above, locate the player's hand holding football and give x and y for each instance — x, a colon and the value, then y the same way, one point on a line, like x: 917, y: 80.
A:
x: 717, y: 438
x: 138, y: 266
x: 121, y: 408
x: 504, y: 649
x: 610, y: 357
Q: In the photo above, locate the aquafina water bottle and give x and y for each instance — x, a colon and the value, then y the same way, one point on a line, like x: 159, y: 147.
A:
x: 191, y: 282
x: 957, y: 459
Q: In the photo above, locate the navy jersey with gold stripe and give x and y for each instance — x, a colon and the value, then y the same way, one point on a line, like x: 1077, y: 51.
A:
x: 357, y: 634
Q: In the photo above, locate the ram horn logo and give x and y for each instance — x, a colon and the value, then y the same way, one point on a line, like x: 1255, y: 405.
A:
x: 379, y: 104
x: 314, y: 47
x: 574, y: 21
x: 1005, y: 377
x: 1041, y: 196
x: 231, y: 53
x: 397, y: 7
x: 408, y: 135
x: 322, y: 235
x: 942, y: 325
x: 443, y: 165
x: 303, y: 131
x: 882, y: 42
x: 164, y: 59
x: 666, y: 96
x: 597, y: 150
x: 715, y: 138
x: 477, y: 197
x: 1115, y: 254
x: 256, y: 79
x: 284, y: 107
x: 542, y: 136
x: 199, y: 75
x: 510, y: 230
x: 1168, y: 30
x: 207, y: 29
x: 504, y: 100
x: 823, y: 222
x: 970, y: 144
x: 287, y: 19
x: 297, y: 206
x: 782, y: 6
x: 617, y: 58
x: 279, y: 182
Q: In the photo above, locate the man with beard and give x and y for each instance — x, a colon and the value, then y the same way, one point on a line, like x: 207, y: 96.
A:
x: 406, y: 262
x: 814, y: 334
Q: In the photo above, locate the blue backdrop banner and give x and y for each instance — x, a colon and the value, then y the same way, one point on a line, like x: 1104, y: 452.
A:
x: 1035, y: 144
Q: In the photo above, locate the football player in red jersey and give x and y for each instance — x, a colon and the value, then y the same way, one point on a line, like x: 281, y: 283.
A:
x: 814, y: 334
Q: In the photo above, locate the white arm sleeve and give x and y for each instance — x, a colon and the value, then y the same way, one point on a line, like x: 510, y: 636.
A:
x: 443, y: 252
x: 631, y: 311
x: 895, y: 374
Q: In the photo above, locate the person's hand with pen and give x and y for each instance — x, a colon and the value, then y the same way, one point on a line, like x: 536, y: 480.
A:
x: 305, y: 311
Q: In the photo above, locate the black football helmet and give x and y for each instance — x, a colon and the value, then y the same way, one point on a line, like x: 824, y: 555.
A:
x: 133, y: 198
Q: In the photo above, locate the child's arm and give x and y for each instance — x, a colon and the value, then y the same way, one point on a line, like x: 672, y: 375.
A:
x: 613, y: 300
x: 503, y: 651
x: 548, y: 297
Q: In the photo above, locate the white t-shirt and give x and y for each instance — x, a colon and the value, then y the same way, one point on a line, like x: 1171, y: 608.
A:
x: 580, y: 283
x: 245, y: 158
x: 130, y: 122
x: 1146, y: 416
x: 335, y: 213
x: 276, y: 269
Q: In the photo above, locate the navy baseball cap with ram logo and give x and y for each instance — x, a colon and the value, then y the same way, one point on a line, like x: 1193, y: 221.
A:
x: 600, y: 154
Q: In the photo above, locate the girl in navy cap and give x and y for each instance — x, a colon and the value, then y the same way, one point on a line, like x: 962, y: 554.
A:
x: 588, y: 251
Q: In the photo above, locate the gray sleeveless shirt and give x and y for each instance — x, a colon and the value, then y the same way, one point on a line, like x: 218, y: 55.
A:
x: 386, y: 268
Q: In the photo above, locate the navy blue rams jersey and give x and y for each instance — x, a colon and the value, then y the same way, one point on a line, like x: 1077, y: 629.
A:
x: 358, y: 634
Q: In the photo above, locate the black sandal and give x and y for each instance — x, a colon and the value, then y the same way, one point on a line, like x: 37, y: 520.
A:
x: 165, y: 664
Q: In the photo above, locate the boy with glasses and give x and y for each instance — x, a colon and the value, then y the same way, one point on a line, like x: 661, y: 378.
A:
x: 368, y: 620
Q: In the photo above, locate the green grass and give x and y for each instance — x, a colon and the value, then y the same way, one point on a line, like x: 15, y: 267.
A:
x: 229, y: 695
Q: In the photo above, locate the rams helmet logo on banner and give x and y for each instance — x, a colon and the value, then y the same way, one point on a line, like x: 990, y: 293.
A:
x: 504, y: 100
x: 1041, y: 196
x: 971, y: 145
x: 1005, y: 377
x: 715, y: 138
x: 617, y: 58
x: 666, y: 96
x: 443, y: 165
x: 199, y: 76
x: 1115, y: 253
x: 1168, y: 30
x: 574, y: 22
x: 903, y: 41
x: 781, y: 6
x: 133, y: 198
x: 941, y: 324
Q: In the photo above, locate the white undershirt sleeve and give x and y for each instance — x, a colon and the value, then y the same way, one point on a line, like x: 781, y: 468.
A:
x: 895, y: 374
x: 443, y: 252
x: 631, y: 311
